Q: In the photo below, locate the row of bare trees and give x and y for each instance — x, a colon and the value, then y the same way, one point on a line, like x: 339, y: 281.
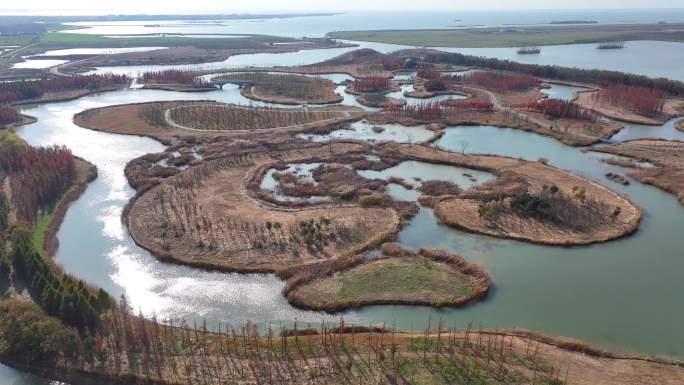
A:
x: 228, y: 117
x: 646, y: 101
x: 11, y: 92
x: 129, y: 346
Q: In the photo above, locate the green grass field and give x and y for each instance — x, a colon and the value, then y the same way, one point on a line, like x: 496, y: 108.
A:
x: 402, y: 278
x: 38, y: 235
x: 517, y: 37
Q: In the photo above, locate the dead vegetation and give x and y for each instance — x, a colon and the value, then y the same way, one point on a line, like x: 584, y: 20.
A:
x: 541, y: 206
x: 668, y: 174
x: 212, y: 217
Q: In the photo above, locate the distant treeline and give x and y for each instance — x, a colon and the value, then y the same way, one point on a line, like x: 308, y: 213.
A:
x: 601, y: 77
x: 25, y: 19
x: 21, y: 28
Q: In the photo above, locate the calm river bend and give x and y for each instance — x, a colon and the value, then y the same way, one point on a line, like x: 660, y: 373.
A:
x: 613, y: 295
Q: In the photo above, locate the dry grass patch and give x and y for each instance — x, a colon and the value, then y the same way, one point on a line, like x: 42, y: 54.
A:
x: 666, y: 155
x: 429, y: 277
x: 223, y: 117
x: 541, y: 204
x: 205, y: 216
x: 285, y: 88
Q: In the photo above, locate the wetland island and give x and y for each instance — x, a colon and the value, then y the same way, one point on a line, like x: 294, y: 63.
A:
x: 225, y: 199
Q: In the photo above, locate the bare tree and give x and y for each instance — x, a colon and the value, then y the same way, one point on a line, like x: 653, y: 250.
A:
x: 464, y: 146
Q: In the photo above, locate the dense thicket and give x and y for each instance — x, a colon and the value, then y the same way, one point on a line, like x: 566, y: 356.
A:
x: 563, y: 109
x: 479, y: 104
x: 231, y: 117
x: 390, y: 63
x: 38, y: 176
x: 11, y: 92
x: 59, y: 294
x: 429, y: 73
x: 494, y: 81
x: 30, y: 337
x: 434, y: 85
x: 173, y: 76
x: 672, y: 87
x: 8, y: 115
x: 432, y: 111
x: 646, y: 101
x: 371, y: 84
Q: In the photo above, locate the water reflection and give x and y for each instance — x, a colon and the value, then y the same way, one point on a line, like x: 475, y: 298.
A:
x: 611, y: 294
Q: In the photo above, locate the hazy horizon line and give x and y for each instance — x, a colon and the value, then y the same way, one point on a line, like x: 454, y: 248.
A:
x: 98, y: 12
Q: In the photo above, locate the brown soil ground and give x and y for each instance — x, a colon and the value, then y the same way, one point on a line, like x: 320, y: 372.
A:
x: 463, y: 213
x: 666, y: 155
x: 516, y: 99
x: 673, y: 107
x: 680, y: 125
x: 232, y: 218
x: 128, y: 119
x: 429, y: 278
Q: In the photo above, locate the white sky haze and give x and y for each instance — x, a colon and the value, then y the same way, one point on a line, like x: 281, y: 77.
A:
x: 231, y: 6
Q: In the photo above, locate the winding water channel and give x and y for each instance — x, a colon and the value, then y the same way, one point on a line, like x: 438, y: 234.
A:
x: 623, y: 295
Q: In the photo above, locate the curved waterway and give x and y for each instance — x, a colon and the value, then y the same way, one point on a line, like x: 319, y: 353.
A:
x: 622, y: 295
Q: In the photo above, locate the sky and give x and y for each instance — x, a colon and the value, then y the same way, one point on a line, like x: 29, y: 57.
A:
x: 268, y: 6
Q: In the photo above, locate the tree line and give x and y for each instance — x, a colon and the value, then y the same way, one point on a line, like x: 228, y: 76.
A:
x: 371, y: 84
x: 59, y: 294
x: 231, y: 117
x: 433, y: 111
x: 563, y: 109
x: 38, y: 176
x: 8, y: 115
x: 671, y: 87
x: 646, y: 101
x: 500, y: 82
x: 186, y: 77
x: 11, y: 92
